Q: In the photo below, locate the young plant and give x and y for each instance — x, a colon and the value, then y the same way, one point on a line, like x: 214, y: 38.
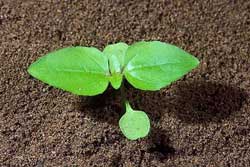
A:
x: 87, y: 71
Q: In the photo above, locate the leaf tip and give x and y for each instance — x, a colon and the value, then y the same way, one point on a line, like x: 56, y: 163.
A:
x: 35, y: 67
x: 196, y: 62
x: 116, y: 80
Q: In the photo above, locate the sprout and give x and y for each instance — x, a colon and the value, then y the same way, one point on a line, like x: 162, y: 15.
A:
x: 87, y: 71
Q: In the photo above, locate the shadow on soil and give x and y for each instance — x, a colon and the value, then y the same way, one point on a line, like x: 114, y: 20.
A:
x: 191, y: 102
x: 202, y: 102
x: 105, y: 107
x: 160, y: 145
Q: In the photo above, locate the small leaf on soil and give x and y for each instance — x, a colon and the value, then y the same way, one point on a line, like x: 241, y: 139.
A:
x: 134, y: 124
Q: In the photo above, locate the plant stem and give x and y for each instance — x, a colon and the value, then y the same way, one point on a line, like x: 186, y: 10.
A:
x: 123, y: 96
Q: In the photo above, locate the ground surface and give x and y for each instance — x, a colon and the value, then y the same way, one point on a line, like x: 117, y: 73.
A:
x: 201, y: 120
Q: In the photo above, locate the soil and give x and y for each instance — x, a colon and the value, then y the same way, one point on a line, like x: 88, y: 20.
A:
x: 201, y: 120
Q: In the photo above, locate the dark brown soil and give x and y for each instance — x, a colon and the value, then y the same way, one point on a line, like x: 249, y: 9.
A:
x: 201, y: 120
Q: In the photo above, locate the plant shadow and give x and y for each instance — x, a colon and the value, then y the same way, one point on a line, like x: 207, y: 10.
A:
x: 196, y: 101
x: 105, y: 107
x: 191, y: 102
x: 159, y: 144
x: 202, y: 102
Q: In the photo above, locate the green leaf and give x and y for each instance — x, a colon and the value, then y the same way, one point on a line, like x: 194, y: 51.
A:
x: 153, y: 65
x: 116, y: 55
x: 134, y: 124
x: 116, y: 80
x: 80, y: 70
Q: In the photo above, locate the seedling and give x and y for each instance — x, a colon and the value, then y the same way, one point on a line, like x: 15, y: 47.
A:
x: 87, y: 71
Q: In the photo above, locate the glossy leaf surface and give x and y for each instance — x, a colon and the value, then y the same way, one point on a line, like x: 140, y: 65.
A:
x: 153, y: 65
x: 80, y: 70
x: 134, y: 124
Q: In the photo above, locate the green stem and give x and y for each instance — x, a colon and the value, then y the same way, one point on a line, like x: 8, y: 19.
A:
x: 123, y: 96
